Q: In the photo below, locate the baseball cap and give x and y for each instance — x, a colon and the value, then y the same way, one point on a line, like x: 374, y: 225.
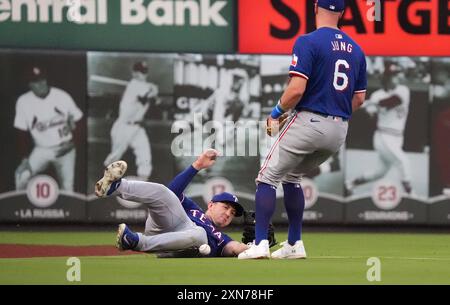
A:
x: 35, y: 74
x: 231, y: 199
x: 141, y: 66
x: 332, y: 5
x: 391, y: 68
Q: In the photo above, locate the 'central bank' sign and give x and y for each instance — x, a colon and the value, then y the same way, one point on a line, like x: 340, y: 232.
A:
x: 141, y: 25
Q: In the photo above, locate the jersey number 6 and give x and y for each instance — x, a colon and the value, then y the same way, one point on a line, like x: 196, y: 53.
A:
x: 340, y: 75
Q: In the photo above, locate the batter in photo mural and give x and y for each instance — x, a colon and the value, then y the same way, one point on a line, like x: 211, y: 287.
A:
x: 130, y: 97
x: 387, y: 146
x: 127, y: 131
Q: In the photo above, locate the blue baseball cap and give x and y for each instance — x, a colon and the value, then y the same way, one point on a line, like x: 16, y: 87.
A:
x: 332, y: 5
x: 231, y: 199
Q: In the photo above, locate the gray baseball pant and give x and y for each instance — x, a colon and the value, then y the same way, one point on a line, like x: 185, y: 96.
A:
x: 41, y: 157
x: 306, y: 141
x: 167, y: 227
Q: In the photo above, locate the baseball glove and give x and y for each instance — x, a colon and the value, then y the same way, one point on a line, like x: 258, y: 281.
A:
x: 248, y: 235
x: 273, y: 126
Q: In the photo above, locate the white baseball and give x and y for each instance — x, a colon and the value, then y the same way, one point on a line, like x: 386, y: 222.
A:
x: 204, y: 249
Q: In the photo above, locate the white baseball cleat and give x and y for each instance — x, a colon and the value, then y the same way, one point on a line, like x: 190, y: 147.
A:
x: 256, y: 251
x: 111, y: 179
x: 290, y: 252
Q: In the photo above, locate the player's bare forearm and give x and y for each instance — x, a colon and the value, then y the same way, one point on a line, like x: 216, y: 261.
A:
x: 233, y: 248
x: 358, y: 100
x: 293, y: 93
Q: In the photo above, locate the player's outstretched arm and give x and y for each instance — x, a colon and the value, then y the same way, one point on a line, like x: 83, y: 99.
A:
x: 234, y: 248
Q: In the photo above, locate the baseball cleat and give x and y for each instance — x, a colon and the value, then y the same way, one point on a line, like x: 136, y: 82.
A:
x: 290, y: 252
x: 126, y: 239
x: 111, y: 179
x: 256, y: 251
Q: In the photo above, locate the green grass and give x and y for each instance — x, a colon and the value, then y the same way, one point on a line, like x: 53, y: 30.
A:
x: 333, y: 258
x: 58, y: 238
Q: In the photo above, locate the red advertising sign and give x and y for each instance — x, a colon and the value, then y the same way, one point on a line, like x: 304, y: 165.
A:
x: 381, y: 27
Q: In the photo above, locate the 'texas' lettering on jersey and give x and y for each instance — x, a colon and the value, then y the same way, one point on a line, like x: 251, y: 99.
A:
x: 58, y: 120
x: 202, y: 217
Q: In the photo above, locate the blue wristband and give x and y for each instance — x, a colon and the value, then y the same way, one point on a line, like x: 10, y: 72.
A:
x: 277, y: 112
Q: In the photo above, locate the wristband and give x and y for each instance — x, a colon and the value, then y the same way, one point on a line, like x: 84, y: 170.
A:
x: 277, y: 111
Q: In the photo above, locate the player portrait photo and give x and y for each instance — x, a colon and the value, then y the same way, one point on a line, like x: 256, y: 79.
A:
x: 390, y: 132
x: 45, y: 125
x: 217, y: 105
x: 129, y: 97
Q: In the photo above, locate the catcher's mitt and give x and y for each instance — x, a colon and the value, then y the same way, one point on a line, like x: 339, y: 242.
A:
x: 248, y: 235
x: 273, y: 126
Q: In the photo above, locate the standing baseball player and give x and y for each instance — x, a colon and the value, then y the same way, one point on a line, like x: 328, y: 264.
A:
x: 127, y: 130
x: 49, y: 114
x: 174, y: 222
x: 391, y: 104
x: 327, y: 82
